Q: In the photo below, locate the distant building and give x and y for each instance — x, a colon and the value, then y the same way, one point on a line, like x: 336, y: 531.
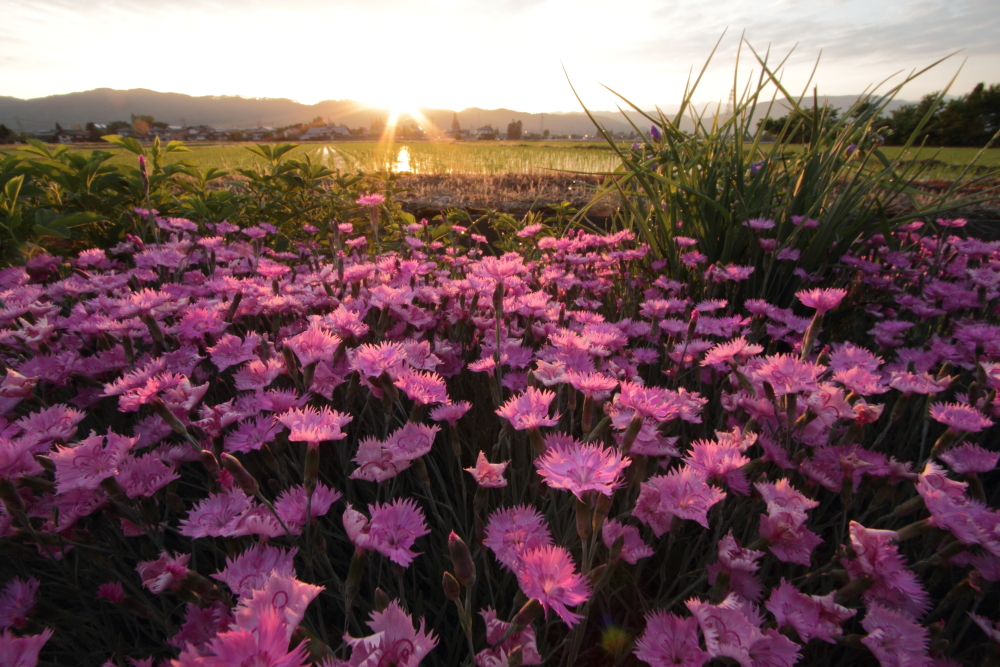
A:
x: 486, y: 132
x: 325, y: 133
x: 71, y: 136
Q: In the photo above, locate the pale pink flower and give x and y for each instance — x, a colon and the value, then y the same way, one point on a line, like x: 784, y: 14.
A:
x: 450, y: 412
x: 265, y: 646
x: 411, y: 441
x: 422, y: 388
x: 315, y: 426
x: 513, y: 530
x: 233, y: 351
x: 144, y: 476
x: 22, y: 651
x: 653, y: 402
x: 165, y: 573
x: 580, y: 468
x: 55, y: 424
x: 529, y: 410
x: 735, y: 351
x: 759, y: 224
x: 960, y: 417
x: 895, y: 639
x: 548, y: 575
x: 372, y: 200
x: 784, y: 525
x: 87, y: 464
x: 16, y: 459
x: 594, y: 385
x: 219, y: 515
x: 822, y: 299
x: 17, y: 599
x: 732, y: 630
x: 788, y: 374
x: 376, y: 461
x: 495, y: 630
x: 392, y: 530
x: 282, y: 593
x: 313, y: 345
x: 373, y: 360
x: 670, y: 640
x: 395, y: 641
x: 252, y: 434
x: 721, y: 462
x: 488, y: 475
x: 877, y: 555
x: 633, y: 548
x: 809, y: 615
x: 914, y: 383
x: 250, y: 569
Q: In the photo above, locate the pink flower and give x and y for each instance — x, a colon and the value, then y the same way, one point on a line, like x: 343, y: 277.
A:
x: 249, y: 570
x: 111, y: 591
x: 894, y: 638
x: 450, y: 412
x: 372, y: 200
x: 683, y: 493
x: 232, y: 351
x: 960, y: 417
x: 395, y: 641
x: 87, y: 464
x: 488, y: 475
x: 513, y: 530
x: 201, y: 625
x: 784, y: 525
x: 291, y: 505
x: 809, y: 615
x: 315, y: 426
x: 739, y: 564
x: 165, y: 573
x: 144, y: 476
x: 252, y: 434
x: 529, y: 410
x: 735, y: 351
x: 581, y: 468
x: 548, y: 575
x: 721, y: 462
x: 652, y: 402
x: 376, y: 462
x: 670, y: 640
x: 788, y: 374
x: 16, y: 459
x: 912, y: 383
x: 17, y: 599
x: 633, y: 548
x: 392, y: 530
x: 495, y: 630
x: 411, y: 441
x: 822, y: 299
x: 895, y: 586
x: 313, y: 345
x: 423, y: 388
x: 265, y: 646
x: 991, y: 628
x: 732, y: 630
x: 219, y: 515
x: 55, y: 424
x: 282, y: 593
x: 970, y: 457
x: 22, y: 651
x: 759, y: 224
x: 594, y: 385
x: 373, y: 360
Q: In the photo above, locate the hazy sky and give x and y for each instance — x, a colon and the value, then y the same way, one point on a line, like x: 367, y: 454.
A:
x: 486, y: 53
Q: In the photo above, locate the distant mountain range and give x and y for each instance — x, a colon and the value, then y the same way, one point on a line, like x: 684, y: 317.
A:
x: 105, y: 105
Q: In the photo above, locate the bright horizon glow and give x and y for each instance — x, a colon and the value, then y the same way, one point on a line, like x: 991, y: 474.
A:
x: 457, y: 54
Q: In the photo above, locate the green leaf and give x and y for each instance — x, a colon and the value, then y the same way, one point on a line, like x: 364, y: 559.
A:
x: 128, y: 143
x: 176, y: 147
x: 61, y: 232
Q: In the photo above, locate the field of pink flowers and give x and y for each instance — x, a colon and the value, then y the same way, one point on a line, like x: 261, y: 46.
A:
x: 376, y: 453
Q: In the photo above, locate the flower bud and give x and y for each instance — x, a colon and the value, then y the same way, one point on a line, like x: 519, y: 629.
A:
x: 209, y: 461
x: 452, y: 591
x: 461, y: 559
x: 515, y: 657
x: 10, y: 496
x: 245, y: 480
x: 381, y: 600
x: 526, y: 615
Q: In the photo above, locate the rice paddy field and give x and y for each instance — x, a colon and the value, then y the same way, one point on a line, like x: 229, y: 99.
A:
x: 501, y: 157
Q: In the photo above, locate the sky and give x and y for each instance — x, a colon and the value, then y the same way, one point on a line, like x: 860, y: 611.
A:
x: 514, y: 54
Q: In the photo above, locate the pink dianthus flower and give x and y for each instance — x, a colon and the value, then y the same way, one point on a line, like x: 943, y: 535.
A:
x: 580, y: 468
x: 315, y: 426
x: 670, y: 640
x: 529, y: 410
x: 488, y: 475
x: 548, y: 575
x: 513, y: 530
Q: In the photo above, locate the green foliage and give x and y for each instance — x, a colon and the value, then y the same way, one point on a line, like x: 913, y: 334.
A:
x: 706, y: 184
x: 970, y: 120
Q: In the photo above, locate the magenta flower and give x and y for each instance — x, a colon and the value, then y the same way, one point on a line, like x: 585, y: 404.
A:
x: 219, y: 515
x: 529, y: 410
x: 248, y: 571
x: 683, y: 493
x: 392, y: 530
x: 788, y: 374
x: 252, y: 434
x: 376, y: 462
x: 495, y: 630
x: 450, y: 412
x: 488, y: 475
x: 291, y: 505
x: 233, y: 351
x: 960, y: 417
x: 144, y: 476
x: 720, y: 462
x: 395, y: 641
x: 422, y: 388
x: 17, y: 599
x: 411, y: 441
x: 315, y: 426
x: 22, y: 651
x: 313, y: 345
x: 894, y: 638
x: 55, y: 424
x: 165, y: 573
x: 580, y: 468
x: 513, y: 530
x: 739, y: 564
x: 759, y: 224
x: 735, y: 351
x: 732, y: 630
x: 90, y: 462
x: 652, y: 402
x: 633, y: 548
x: 784, y: 525
x: 822, y: 299
x: 265, y: 646
x: 548, y: 575
x: 877, y: 556
x: 914, y: 383
x: 16, y: 459
x: 809, y: 615
x: 373, y: 199
x: 373, y: 360
x: 970, y: 457
x: 593, y: 385
x: 670, y: 640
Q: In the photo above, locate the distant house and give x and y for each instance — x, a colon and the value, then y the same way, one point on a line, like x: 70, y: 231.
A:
x: 325, y: 133
x: 258, y: 133
x: 71, y: 136
x: 196, y: 133
x: 486, y: 132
